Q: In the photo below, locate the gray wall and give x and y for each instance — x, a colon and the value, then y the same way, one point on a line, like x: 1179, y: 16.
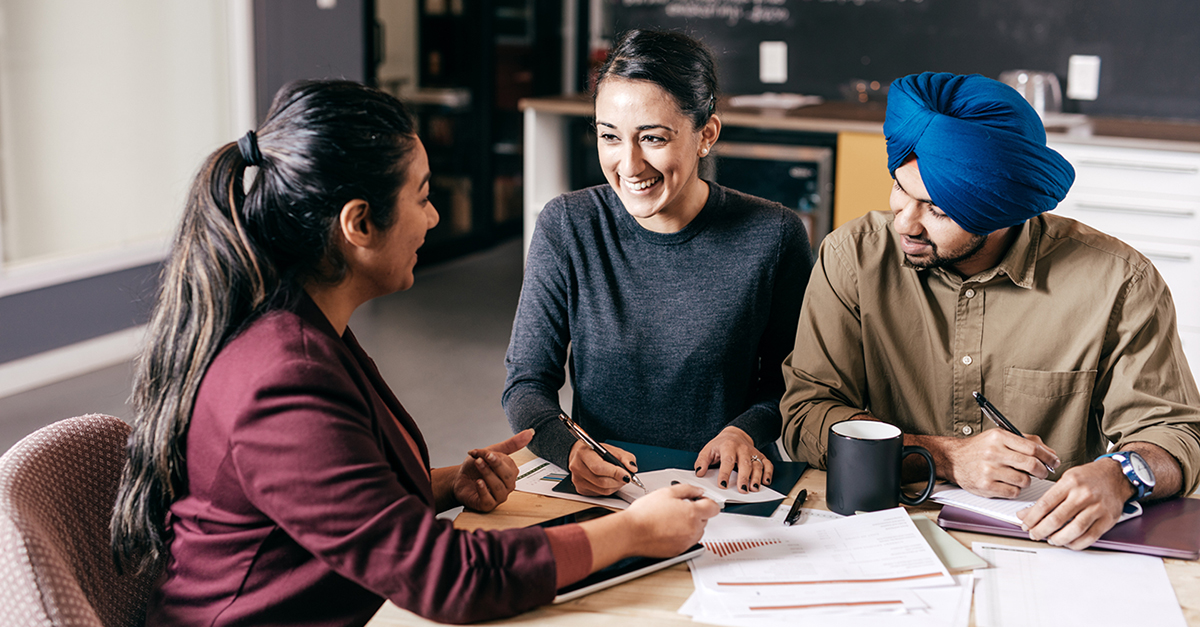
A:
x: 60, y: 315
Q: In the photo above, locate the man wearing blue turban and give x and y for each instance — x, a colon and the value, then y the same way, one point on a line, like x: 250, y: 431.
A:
x: 967, y: 285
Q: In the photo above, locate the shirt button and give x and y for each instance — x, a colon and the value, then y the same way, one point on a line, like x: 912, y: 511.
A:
x: 970, y: 293
x: 967, y: 430
x: 966, y: 360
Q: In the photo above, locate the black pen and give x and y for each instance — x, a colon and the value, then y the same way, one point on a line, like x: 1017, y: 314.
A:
x: 793, y: 514
x: 994, y: 414
x: 582, y: 436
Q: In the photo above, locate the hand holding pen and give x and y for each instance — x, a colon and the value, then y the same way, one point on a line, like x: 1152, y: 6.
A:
x: 590, y: 479
x: 995, y: 416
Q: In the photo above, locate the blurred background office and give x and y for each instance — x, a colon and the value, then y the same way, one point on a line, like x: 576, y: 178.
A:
x: 107, y: 108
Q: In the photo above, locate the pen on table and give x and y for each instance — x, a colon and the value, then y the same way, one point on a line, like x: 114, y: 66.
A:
x: 604, y: 454
x: 994, y: 414
x: 793, y: 514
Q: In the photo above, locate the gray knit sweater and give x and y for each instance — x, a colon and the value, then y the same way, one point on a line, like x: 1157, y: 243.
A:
x: 673, y: 336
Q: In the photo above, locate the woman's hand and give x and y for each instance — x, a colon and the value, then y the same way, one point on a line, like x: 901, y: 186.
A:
x: 734, y: 449
x: 488, y: 475
x: 663, y: 523
x: 593, y: 476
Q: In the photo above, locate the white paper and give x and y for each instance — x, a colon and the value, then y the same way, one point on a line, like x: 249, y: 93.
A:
x: 710, y: 483
x: 1006, y: 509
x: 1053, y: 587
x: 539, y: 476
x: 882, y: 549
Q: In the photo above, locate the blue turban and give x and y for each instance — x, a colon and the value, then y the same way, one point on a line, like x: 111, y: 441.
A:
x: 981, y: 149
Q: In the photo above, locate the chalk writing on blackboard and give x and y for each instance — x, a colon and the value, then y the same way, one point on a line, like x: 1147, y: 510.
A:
x: 730, y: 11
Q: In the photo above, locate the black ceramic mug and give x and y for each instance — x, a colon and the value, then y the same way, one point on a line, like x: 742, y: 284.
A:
x: 864, y: 467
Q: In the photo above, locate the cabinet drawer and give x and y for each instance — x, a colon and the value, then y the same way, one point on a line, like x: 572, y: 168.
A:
x: 1179, y: 266
x: 1123, y: 215
x: 1155, y: 172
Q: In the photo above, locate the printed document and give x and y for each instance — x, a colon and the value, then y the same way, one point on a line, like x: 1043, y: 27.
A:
x: 881, y: 549
x: 1052, y: 587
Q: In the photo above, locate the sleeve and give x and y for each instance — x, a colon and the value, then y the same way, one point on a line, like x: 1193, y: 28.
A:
x: 794, y: 263
x: 1147, y: 390
x: 308, y: 457
x: 825, y: 374
x: 537, y: 350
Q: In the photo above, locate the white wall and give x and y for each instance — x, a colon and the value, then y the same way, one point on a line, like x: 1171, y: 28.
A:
x: 107, y: 109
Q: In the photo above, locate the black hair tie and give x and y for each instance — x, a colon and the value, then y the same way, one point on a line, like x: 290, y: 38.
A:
x: 248, y: 146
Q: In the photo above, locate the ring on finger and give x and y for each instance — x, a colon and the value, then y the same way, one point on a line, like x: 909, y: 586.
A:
x: 755, y: 458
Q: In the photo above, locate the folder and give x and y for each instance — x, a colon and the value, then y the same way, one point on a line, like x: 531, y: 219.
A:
x: 1165, y: 529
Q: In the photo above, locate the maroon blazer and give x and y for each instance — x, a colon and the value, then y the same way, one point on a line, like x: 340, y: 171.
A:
x: 307, y: 506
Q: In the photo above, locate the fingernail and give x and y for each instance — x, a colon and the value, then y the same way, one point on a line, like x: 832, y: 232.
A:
x: 743, y: 488
x: 626, y: 478
x: 491, y: 457
x: 634, y: 464
x: 697, y: 469
x: 674, y: 482
x: 723, y: 485
x: 756, y: 486
x: 766, y: 482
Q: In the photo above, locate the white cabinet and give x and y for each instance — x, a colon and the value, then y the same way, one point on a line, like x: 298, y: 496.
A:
x: 1151, y: 200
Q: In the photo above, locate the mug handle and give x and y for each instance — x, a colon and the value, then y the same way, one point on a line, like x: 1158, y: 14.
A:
x: 917, y: 450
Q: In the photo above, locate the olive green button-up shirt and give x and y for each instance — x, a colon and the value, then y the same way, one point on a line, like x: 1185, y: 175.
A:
x: 1071, y: 336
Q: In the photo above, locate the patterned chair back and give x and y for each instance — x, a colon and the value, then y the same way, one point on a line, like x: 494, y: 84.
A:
x: 57, y: 489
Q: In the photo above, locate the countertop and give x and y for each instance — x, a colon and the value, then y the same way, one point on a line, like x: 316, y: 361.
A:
x: 836, y: 117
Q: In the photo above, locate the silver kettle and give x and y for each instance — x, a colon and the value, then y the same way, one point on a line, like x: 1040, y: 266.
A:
x: 1040, y: 89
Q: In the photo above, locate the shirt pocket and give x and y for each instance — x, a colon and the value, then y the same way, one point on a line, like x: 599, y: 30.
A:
x: 1055, y: 406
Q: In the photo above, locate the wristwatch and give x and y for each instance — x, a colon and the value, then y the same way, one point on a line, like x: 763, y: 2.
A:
x: 1136, y: 470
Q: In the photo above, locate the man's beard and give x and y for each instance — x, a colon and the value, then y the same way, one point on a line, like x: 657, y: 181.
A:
x: 951, y: 258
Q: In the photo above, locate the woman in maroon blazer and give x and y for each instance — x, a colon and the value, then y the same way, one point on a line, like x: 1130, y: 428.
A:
x: 270, y: 465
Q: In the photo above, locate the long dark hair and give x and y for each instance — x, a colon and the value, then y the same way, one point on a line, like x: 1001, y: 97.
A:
x: 239, y: 253
x: 682, y: 66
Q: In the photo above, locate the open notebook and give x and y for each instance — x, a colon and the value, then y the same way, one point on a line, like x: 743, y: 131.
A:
x: 1006, y: 509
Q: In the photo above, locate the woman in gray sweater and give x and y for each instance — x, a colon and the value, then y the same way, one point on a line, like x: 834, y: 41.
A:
x: 678, y: 297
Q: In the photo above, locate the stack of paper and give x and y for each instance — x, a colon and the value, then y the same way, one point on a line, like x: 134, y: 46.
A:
x: 1049, y: 586
x: 872, y: 568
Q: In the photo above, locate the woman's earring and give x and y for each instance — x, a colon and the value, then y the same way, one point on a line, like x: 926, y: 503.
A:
x: 704, y: 151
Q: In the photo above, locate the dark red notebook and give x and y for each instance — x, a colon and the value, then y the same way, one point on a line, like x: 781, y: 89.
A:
x: 1167, y: 529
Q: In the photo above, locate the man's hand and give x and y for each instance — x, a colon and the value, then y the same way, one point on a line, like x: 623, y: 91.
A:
x: 1081, y: 506
x: 1088, y: 500
x: 995, y: 463
x: 593, y: 476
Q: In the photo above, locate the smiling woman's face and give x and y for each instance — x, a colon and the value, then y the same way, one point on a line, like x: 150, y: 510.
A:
x: 650, y: 153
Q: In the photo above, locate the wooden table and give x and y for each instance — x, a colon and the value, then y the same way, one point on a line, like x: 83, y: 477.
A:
x: 655, y: 599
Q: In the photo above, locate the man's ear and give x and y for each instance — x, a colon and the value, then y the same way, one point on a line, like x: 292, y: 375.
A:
x: 355, y: 223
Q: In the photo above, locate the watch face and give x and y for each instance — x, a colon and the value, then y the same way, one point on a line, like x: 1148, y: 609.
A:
x: 1141, y: 468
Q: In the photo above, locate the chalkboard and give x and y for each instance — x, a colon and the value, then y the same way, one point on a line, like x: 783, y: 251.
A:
x: 1149, y: 49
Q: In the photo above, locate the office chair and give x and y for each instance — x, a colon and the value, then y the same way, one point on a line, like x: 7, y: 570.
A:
x: 57, y: 489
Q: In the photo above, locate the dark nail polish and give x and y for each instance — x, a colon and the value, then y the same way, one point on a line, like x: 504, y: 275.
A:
x: 756, y: 486
x: 697, y: 469
x: 766, y: 482
x: 626, y: 478
x: 634, y: 464
x: 674, y: 482
x: 723, y: 485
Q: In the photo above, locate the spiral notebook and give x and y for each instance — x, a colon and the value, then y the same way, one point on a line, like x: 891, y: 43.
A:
x: 1165, y: 529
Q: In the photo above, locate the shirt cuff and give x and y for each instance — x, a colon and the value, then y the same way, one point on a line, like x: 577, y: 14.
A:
x: 572, y: 553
